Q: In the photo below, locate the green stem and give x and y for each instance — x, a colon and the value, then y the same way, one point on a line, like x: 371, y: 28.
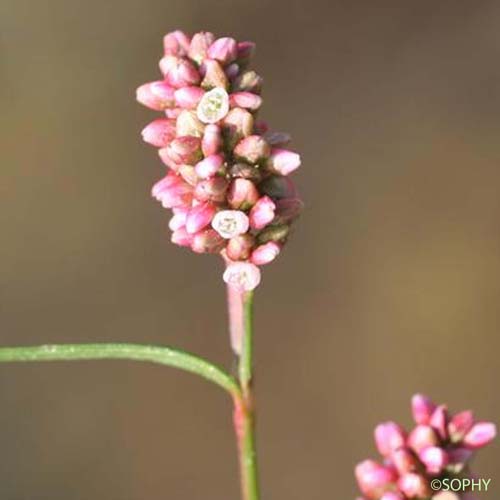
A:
x: 244, y: 408
x: 137, y: 352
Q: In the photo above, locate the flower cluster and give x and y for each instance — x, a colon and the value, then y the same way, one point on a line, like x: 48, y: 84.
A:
x: 439, y: 446
x: 227, y: 181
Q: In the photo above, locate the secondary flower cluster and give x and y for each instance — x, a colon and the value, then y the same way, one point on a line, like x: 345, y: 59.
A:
x: 227, y: 181
x: 439, y: 446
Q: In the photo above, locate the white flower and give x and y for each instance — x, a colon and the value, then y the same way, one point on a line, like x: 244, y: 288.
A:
x: 242, y: 275
x: 214, y: 105
x: 229, y: 223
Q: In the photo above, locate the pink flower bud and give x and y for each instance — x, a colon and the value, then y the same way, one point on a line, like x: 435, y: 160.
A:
x: 199, y: 45
x: 252, y: 149
x: 188, y: 97
x: 213, y: 106
x: 181, y: 237
x: 422, y: 409
x: 264, y: 254
x: 210, y: 166
x: 242, y: 276
x: 439, y: 421
x: 239, y: 247
x: 391, y: 495
x: 213, y: 189
x: 173, y: 112
x: 185, y: 149
x: 199, y: 217
x: 156, y: 95
x: 178, y: 220
x: 278, y: 187
x: 459, y: 425
x: 188, y: 124
x: 388, y: 437
x: 207, y: 241
x: 237, y: 124
x: 404, y: 460
x: 214, y: 75
x: 212, y: 140
x: 230, y: 223
x: 414, y: 486
x: 245, y: 51
x: 242, y: 194
x: 248, y: 81
x: 159, y: 132
x: 188, y: 173
x: 434, y: 458
x: 224, y: 50
x: 176, y: 43
x: 481, y: 434
x: 232, y: 71
x: 422, y: 436
x: 172, y: 191
x: 165, y: 158
x: 245, y: 100
x: 262, y: 213
x: 179, y: 72
x: 283, y: 161
x: 374, y: 479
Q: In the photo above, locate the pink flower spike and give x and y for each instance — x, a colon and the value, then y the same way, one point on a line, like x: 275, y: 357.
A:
x: 264, y: 254
x: 230, y: 223
x: 199, y: 217
x: 211, y: 142
x: 242, y: 276
x: 156, y: 95
x: 223, y: 50
x: 242, y: 194
x: 374, y: 479
x: 181, y: 237
x: 159, y: 132
x: 188, y: 97
x: 388, y: 437
x: 283, y: 162
x: 199, y: 45
x: 481, y: 434
x: 422, y: 409
x: 439, y: 421
x: 262, y: 213
x: 176, y: 43
x: 434, y: 458
x: 209, y: 166
x: 245, y: 100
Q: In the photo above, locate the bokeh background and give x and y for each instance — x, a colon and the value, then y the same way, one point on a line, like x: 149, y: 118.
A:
x: 390, y: 284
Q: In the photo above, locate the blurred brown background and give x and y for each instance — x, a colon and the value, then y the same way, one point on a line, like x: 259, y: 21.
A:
x: 390, y: 284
